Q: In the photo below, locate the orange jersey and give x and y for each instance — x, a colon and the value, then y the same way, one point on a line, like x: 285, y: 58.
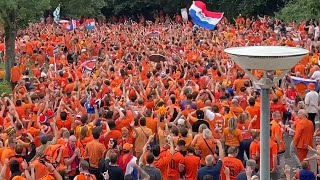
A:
x: 192, y: 164
x: 173, y: 171
x: 235, y: 166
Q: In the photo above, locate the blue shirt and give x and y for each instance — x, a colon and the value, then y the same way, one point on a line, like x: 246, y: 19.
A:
x: 213, y: 171
x: 306, y: 175
x: 243, y: 176
x: 184, y: 103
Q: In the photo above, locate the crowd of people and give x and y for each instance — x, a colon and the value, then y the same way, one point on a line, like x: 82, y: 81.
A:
x: 193, y: 116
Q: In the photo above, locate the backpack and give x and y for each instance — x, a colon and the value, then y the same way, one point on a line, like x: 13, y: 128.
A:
x: 51, y: 152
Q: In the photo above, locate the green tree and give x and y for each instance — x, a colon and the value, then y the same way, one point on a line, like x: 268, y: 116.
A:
x: 300, y: 10
x: 147, y: 7
x: 233, y: 8
x: 15, y: 14
x: 79, y: 8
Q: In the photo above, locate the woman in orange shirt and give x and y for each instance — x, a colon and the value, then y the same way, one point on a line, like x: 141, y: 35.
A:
x: 243, y: 125
x: 232, y: 135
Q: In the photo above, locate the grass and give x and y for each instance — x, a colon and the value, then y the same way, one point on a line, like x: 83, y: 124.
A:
x: 5, y: 87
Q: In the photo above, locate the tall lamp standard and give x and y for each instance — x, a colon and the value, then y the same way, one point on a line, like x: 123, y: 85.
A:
x: 266, y: 58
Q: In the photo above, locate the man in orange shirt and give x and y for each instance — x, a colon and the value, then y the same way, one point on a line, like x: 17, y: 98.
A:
x: 254, y: 110
x: 303, y: 136
x: 141, y: 135
x: 206, y: 144
x: 190, y: 164
x: 177, y: 157
x: 163, y: 156
x: 9, y: 152
x: 273, y: 159
x: 94, y: 151
x: 235, y: 165
x: 212, y: 167
x: 277, y: 136
x: 152, y: 123
x: 255, y: 147
x: 15, y: 75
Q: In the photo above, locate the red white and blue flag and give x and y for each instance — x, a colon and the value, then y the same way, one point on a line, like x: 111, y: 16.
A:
x: 73, y: 24
x: 202, y: 17
x: 89, y: 24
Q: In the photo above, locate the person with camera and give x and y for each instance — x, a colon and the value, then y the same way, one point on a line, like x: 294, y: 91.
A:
x: 108, y: 166
x: 149, y: 167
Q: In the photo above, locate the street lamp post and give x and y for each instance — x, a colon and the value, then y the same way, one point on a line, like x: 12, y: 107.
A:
x: 266, y: 58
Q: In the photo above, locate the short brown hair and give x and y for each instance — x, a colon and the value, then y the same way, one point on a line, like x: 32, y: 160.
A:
x: 84, y: 165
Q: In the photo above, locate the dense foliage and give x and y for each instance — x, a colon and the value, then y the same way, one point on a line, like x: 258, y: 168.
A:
x: 16, y: 14
x: 79, y: 8
x: 300, y: 10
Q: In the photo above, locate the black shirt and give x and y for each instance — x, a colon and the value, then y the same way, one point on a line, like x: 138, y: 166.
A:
x: 115, y: 172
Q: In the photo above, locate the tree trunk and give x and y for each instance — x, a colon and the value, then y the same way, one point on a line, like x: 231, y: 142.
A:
x: 10, y: 30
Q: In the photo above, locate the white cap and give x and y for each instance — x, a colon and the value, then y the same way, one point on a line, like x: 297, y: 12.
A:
x: 43, y: 74
x: 181, y: 121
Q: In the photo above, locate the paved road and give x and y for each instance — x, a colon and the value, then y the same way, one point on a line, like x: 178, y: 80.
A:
x: 290, y: 161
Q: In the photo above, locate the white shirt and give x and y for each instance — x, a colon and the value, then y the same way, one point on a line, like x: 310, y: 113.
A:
x: 312, y: 100
x: 316, y: 75
x: 130, y: 165
x: 211, y: 115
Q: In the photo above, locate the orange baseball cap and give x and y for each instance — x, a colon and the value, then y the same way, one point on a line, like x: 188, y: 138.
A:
x: 311, y: 86
x: 127, y: 147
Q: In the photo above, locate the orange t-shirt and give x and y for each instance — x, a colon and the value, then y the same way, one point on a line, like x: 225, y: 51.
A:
x: 114, y: 134
x: 15, y: 74
x: 254, y: 111
x: 67, y: 123
x: 238, y: 83
x: 277, y: 132
x: 205, y: 150
x: 273, y: 152
x: 162, y: 163
x: 254, y: 150
x: 152, y: 124
x: 94, y: 151
x: 6, y: 154
x: 192, y: 164
x: 235, y: 166
x: 232, y: 139
x: 2, y: 46
x: 173, y: 170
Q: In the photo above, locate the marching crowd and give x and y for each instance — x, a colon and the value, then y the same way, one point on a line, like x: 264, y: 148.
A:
x: 194, y: 116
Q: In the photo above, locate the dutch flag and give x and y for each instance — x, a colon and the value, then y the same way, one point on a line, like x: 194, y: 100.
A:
x: 202, y: 17
x: 89, y: 24
x: 73, y: 24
